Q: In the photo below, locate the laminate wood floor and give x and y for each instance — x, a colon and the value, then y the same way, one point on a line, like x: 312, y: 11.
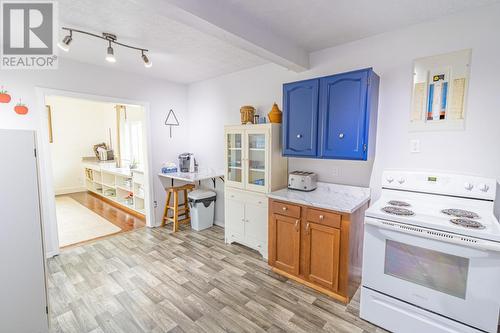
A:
x: 150, y: 280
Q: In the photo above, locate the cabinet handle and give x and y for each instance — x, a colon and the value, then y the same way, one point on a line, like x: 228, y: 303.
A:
x: 243, y: 219
x: 341, y: 135
x: 307, y: 228
x: 284, y: 208
x: 299, y: 136
x: 321, y: 217
x: 297, y: 225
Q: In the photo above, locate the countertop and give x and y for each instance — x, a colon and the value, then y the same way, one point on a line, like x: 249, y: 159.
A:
x: 340, y: 198
x: 193, y: 176
x: 110, y: 167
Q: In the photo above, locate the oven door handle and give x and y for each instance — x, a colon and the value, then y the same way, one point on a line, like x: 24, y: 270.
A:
x: 443, y: 236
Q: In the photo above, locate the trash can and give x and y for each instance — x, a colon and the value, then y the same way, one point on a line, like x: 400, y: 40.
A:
x: 202, y: 206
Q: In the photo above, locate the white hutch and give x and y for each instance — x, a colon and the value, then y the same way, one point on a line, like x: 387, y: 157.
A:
x: 254, y: 167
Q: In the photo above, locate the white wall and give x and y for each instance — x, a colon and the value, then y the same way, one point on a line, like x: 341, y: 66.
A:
x: 216, y: 102
x: 77, y: 125
x: 103, y: 81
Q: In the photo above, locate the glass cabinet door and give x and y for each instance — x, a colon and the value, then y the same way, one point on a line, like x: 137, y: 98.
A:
x: 257, y: 161
x: 234, y: 167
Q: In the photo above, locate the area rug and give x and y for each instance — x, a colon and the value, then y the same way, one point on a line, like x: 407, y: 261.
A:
x: 76, y: 223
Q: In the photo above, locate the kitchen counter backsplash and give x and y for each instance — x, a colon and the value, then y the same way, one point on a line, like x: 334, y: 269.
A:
x: 341, y: 198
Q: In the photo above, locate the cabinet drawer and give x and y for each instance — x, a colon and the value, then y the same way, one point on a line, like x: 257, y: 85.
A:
x: 286, y: 209
x: 247, y: 197
x: 322, y: 217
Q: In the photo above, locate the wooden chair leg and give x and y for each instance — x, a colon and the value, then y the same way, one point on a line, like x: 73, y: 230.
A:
x: 165, y: 211
x: 176, y: 211
x: 186, y: 204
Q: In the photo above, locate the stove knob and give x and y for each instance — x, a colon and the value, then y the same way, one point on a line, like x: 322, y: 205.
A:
x: 484, y: 187
x: 468, y: 186
x: 401, y: 180
x: 389, y: 179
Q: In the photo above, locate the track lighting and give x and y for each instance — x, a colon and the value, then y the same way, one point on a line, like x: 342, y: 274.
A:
x: 110, y: 38
x: 110, y: 56
x: 147, y: 62
x: 64, y: 45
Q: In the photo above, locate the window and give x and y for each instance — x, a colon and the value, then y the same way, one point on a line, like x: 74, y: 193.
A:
x: 132, y: 138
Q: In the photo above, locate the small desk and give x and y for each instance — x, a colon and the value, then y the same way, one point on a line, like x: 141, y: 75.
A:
x: 193, y: 177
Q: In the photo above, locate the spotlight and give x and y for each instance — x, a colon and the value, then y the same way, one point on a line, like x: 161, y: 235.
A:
x: 64, y: 45
x: 108, y: 37
x: 110, y: 56
x: 147, y: 62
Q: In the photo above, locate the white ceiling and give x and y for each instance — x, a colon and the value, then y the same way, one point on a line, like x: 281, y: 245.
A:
x: 185, y: 52
x: 179, y: 53
x: 318, y: 24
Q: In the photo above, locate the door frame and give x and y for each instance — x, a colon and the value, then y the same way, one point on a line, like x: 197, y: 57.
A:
x: 47, y: 197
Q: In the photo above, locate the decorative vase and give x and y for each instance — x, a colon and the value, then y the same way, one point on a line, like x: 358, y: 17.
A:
x: 275, y: 114
x: 247, y: 112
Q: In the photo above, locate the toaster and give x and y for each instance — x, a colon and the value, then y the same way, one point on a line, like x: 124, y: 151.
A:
x: 302, y: 180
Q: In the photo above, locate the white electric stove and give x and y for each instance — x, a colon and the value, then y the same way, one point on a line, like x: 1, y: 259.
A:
x: 431, y: 257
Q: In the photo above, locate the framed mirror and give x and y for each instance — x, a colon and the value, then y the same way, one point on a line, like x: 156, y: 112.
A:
x: 439, y: 96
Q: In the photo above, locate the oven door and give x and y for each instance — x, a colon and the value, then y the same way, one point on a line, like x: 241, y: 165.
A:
x: 456, y: 281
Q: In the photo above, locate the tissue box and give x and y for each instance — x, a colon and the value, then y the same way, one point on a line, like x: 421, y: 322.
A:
x: 168, y: 169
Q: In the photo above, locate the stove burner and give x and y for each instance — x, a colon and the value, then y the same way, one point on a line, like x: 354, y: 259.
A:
x: 399, y: 203
x: 460, y: 213
x: 398, y: 211
x: 467, y: 223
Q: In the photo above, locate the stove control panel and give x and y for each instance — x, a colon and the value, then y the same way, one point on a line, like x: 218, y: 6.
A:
x: 440, y: 183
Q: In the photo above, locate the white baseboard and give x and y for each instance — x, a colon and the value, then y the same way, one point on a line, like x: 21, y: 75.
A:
x: 51, y: 254
x: 68, y: 190
x: 219, y: 223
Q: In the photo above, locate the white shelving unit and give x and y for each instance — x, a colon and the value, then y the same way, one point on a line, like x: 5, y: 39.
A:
x: 122, y: 186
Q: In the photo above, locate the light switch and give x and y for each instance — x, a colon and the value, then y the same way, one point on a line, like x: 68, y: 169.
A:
x: 415, y: 146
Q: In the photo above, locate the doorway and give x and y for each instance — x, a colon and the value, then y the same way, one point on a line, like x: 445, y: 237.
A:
x: 98, y: 157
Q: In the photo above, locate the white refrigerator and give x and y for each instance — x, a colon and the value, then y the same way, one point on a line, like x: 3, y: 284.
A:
x: 23, y: 294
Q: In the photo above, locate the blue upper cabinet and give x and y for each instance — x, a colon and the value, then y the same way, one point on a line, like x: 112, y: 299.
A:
x: 347, y: 114
x: 300, y: 118
x: 343, y: 104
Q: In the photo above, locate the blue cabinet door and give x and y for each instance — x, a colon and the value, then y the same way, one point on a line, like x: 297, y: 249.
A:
x: 343, y: 108
x: 300, y: 118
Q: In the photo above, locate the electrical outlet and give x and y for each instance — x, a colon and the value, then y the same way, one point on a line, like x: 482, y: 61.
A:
x: 415, y: 146
x: 335, y: 171
x: 155, y: 204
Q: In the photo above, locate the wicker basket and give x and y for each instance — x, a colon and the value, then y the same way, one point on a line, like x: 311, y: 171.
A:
x: 247, y: 112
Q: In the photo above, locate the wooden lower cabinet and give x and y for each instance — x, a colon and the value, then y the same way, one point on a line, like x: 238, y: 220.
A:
x: 285, y: 253
x: 319, y: 248
x: 322, y: 255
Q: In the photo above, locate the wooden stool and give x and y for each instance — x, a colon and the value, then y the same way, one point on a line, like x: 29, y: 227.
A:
x: 178, y: 210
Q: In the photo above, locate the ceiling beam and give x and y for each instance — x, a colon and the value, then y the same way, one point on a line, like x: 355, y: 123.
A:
x: 216, y: 18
